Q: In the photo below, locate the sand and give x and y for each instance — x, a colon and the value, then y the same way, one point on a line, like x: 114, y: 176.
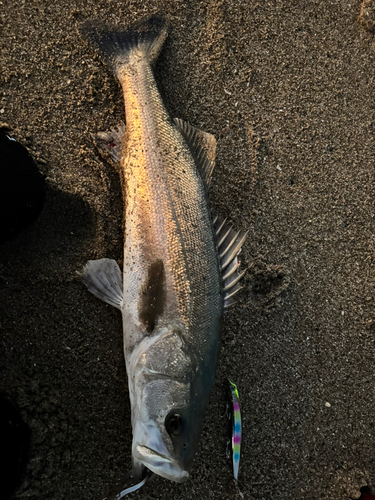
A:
x: 287, y: 89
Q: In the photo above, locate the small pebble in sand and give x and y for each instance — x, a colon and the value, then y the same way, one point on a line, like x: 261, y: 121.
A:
x: 328, y: 405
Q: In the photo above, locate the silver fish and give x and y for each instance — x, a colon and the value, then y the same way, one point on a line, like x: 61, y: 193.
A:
x: 180, y: 266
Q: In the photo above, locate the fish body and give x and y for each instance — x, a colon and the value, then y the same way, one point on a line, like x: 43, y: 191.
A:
x: 172, y: 293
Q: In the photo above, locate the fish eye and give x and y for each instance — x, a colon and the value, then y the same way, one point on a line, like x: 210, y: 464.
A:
x: 173, y: 424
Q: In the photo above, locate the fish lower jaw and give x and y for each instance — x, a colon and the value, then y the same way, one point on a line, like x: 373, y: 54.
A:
x: 159, y: 464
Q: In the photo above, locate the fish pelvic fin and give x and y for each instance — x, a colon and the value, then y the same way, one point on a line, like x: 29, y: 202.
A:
x: 202, y: 146
x: 110, y: 144
x: 103, y: 279
x: 116, y: 44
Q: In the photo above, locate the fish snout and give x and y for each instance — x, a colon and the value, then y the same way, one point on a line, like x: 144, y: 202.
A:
x: 150, y: 451
x: 159, y: 464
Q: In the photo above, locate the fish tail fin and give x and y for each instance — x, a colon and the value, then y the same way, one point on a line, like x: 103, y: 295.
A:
x: 117, y: 44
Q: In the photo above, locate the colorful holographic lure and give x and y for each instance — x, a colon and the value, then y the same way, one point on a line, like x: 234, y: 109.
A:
x: 237, y: 429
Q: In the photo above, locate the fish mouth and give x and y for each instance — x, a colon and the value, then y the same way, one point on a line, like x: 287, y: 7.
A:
x: 159, y: 463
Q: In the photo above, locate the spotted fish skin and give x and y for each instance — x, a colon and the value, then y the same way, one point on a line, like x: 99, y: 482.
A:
x: 171, y: 293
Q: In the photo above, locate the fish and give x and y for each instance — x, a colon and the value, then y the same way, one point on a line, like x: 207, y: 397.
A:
x: 180, y: 265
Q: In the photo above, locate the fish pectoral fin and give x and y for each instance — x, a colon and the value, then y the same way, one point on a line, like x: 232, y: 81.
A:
x: 110, y: 143
x: 229, y: 243
x: 202, y: 146
x: 103, y: 279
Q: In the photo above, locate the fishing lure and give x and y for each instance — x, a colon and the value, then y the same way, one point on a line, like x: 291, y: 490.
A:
x: 237, y: 429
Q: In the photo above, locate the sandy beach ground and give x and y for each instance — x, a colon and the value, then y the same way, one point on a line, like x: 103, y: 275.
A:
x: 287, y: 88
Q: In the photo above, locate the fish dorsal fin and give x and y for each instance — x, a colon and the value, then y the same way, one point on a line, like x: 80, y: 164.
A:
x: 103, y: 279
x: 229, y: 243
x: 202, y: 146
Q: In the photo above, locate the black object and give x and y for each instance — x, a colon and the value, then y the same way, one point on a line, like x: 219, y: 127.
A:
x: 14, y: 446
x: 22, y: 191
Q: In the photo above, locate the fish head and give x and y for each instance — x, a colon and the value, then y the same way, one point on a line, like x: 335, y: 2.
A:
x: 165, y: 416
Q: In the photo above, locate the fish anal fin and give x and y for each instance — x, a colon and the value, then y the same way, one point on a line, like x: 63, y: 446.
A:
x: 153, y: 295
x: 103, y: 279
x: 202, y: 146
x: 229, y: 243
x: 110, y: 144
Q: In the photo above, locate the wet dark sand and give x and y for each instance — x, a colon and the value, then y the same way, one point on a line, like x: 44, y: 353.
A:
x: 287, y: 88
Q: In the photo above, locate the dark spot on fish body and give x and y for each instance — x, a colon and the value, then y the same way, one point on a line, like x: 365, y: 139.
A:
x: 153, y: 295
